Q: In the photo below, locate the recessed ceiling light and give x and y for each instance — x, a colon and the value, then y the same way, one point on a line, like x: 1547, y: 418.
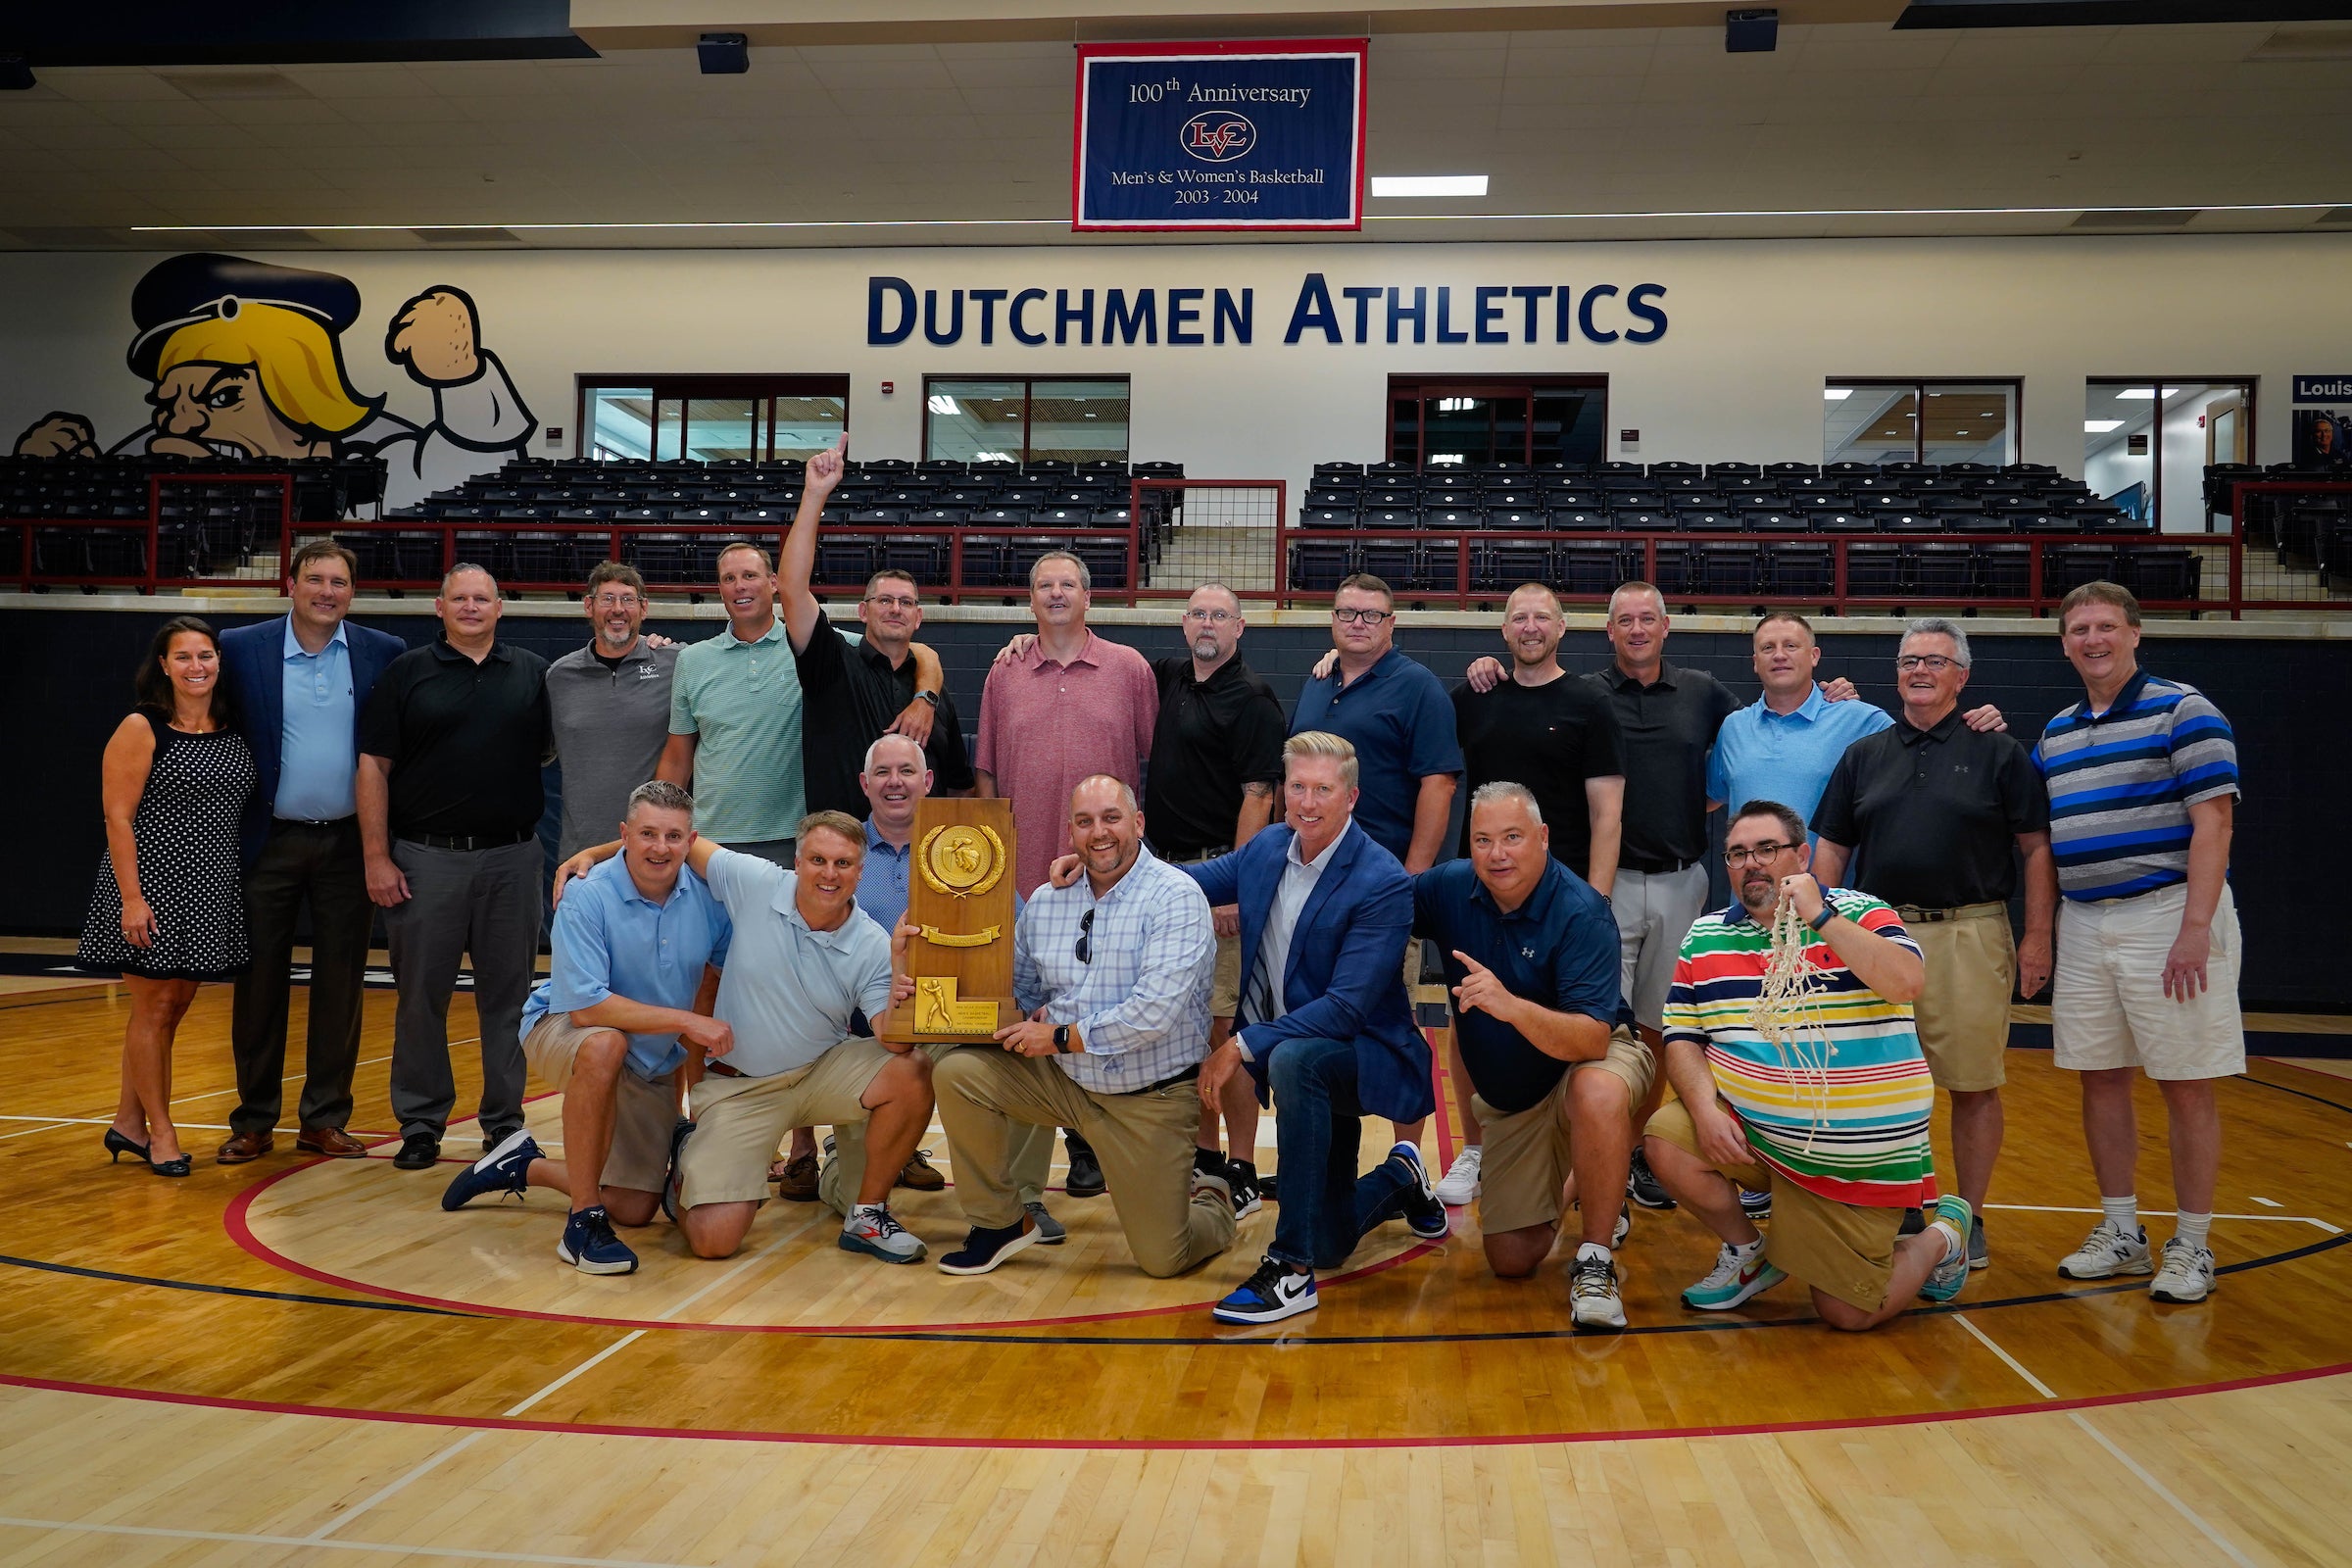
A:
x: 1959, y: 432
x: 1836, y: 394
x: 941, y: 402
x: 2101, y: 427
x: 2135, y: 392
x: 1429, y: 184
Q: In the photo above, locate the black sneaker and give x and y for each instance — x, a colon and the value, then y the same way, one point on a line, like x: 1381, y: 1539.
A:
x: 417, y: 1151
x: 1085, y: 1179
x: 1243, y: 1178
x: 1642, y: 1186
x: 984, y: 1248
x: 678, y: 1135
x: 1207, y: 1161
x: 1913, y: 1223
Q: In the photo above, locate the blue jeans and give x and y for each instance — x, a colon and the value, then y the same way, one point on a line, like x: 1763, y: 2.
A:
x: 1325, y: 1208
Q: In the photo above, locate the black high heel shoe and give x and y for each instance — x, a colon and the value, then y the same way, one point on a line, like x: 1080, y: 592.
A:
x: 170, y: 1167
x: 116, y: 1146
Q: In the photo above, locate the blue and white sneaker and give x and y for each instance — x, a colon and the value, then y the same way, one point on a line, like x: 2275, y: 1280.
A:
x: 670, y: 1182
x: 1943, y: 1282
x: 1424, y: 1215
x: 1275, y: 1292
x: 589, y: 1245
x: 1757, y: 1206
x: 502, y: 1170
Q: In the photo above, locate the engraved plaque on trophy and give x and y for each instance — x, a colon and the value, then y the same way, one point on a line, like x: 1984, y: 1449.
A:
x: 959, y: 901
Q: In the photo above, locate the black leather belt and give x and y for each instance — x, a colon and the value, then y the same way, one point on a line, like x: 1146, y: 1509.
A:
x: 722, y: 1069
x: 482, y: 841
x: 277, y: 822
x: 1650, y: 867
x: 1184, y: 1077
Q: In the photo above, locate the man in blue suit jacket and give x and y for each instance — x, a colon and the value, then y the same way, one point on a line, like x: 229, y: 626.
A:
x: 1324, y: 1020
x: 301, y: 682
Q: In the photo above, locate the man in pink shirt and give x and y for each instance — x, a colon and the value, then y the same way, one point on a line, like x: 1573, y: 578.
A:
x: 1066, y: 706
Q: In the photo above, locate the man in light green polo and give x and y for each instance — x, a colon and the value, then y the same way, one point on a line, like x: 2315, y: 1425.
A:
x: 735, y: 718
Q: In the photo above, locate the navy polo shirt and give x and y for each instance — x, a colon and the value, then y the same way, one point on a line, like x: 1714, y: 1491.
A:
x: 1400, y: 723
x: 1558, y: 950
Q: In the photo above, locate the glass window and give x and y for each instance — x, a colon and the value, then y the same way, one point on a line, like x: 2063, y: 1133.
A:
x: 1438, y: 424
x: 2146, y: 444
x: 806, y: 424
x: 976, y: 420
x: 711, y: 419
x: 1919, y: 422
x: 619, y: 421
x: 724, y: 428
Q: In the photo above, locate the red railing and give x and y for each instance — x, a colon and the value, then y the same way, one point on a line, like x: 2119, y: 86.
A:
x: 22, y: 539
x: 2325, y: 553
x: 1254, y: 558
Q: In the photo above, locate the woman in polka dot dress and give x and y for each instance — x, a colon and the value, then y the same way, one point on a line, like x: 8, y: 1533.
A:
x: 167, y: 911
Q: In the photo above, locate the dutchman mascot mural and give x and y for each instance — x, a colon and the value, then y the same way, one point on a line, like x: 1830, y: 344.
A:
x: 245, y: 359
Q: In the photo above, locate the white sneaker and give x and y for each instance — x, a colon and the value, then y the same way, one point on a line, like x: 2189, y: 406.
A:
x: 2106, y: 1252
x: 1461, y: 1182
x: 1593, y: 1293
x: 876, y: 1233
x: 2186, y: 1275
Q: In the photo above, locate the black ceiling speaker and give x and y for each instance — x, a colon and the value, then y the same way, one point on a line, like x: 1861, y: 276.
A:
x: 15, y: 74
x: 1750, y: 33
x: 725, y: 54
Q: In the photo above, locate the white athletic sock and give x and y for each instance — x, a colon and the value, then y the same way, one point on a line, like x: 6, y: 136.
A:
x: 1743, y: 1251
x: 2192, y: 1228
x: 1594, y: 1250
x: 2123, y: 1213
x: 858, y: 1211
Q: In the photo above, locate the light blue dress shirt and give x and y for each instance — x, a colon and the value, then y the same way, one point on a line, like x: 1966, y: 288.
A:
x: 793, y: 991
x: 613, y: 941
x: 1763, y: 755
x: 316, y: 752
x: 1140, y: 998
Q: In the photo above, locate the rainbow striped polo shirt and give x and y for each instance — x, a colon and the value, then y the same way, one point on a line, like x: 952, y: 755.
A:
x: 1844, y: 1111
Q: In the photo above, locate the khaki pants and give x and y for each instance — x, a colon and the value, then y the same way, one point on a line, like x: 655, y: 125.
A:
x: 1144, y: 1140
x: 738, y: 1121
x: 1032, y: 1160
x: 1962, y: 1014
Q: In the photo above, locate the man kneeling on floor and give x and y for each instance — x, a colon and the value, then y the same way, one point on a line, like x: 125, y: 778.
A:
x: 804, y: 961
x: 1113, y: 974
x: 1532, y: 955
x: 639, y: 946
x: 1800, y: 1071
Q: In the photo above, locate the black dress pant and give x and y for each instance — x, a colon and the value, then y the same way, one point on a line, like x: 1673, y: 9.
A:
x: 323, y: 864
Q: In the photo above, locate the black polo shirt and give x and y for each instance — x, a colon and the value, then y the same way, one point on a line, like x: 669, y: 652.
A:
x: 1213, y: 738
x: 850, y: 694
x: 1664, y: 732
x: 1933, y: 814
x: 466, y: 741
x: 1550, y: 738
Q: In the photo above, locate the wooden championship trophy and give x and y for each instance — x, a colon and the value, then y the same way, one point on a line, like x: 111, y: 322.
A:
x: 959, y: 900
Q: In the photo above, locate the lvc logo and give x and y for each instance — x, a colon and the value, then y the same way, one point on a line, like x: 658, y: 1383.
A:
x: 1218, y: 138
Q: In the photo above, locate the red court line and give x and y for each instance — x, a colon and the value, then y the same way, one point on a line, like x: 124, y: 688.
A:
x: 1463, y: 1440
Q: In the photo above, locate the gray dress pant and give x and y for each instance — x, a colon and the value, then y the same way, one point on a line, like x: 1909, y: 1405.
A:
x: 486, y: 902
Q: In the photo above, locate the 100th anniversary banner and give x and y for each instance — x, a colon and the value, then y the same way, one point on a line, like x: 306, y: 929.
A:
x: 1220, y: 136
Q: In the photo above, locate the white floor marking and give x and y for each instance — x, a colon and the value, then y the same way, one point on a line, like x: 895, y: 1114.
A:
x: 292, y: 1077
x: 2267, y: 1202
x: 2226, y: 1546
x: 626, y: 1339
x: 2166, y: 1213
x: 50, y: 1128
x: 388, y: 1549
x: 394, y: 1487
x: 109, y: 1121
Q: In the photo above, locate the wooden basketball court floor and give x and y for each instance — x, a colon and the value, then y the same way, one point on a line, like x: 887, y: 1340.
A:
x: 302, y: 1361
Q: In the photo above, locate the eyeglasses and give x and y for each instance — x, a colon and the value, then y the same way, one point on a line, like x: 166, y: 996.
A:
x: 895, y: 601
x: 1759, y: 854
x: 1214, y: 617
x: 1086, y: 936
x: 1937, y: 664
x: 1362, y: 617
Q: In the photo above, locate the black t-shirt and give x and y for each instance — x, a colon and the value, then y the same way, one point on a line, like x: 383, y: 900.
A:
x: 1550, y: 738
x: 612, y: 661
x: 1213, y: 738
x: 1933, y: 814
x: 1664, y: 732
x: 849, y: 696
x: 466, y: 739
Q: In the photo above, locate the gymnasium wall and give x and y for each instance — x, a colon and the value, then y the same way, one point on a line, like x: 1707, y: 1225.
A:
x: 1742, y: 333
x: 72, y: 686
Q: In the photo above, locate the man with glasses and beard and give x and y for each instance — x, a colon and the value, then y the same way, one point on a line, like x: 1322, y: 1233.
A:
x: 610, y: 703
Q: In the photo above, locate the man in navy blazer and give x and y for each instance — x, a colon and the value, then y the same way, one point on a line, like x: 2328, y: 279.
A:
x: 1324, y: 1020
x: 301, y: 682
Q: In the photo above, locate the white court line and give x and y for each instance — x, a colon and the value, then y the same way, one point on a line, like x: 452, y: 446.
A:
x: 109, y: 1121
x: 2267, y: 1202
x: 470, y: 1553
x: 50, y: 1128
x: 2166, y: 1213
x: 216, y: 1094
x: 2181, y: 1507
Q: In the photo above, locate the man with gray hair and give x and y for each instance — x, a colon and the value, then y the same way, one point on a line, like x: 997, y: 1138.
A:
x: 1938, y: 814
x: 639, y: 943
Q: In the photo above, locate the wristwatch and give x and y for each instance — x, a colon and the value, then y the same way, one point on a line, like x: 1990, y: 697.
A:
x: 1061, y: 1039
x: 932, y: 697
x: 1828, y: 913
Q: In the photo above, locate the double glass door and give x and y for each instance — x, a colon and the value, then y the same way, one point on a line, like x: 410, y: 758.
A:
x: 710, y: 419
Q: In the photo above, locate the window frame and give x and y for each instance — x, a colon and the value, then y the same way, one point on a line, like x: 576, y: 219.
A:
x: 1919, y: 386
x: 1422, y: 387
x: 1028, y: 387
x: 2249, y: 385
x: 685, y: 389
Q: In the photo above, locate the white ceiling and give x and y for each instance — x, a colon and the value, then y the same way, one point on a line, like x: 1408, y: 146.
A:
x: 1579, y: 121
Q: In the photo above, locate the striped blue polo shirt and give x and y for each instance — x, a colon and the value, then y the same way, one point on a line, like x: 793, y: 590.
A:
x: 2122, y: 782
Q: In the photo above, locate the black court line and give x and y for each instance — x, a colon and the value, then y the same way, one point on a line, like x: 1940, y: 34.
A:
x: 2321, y: 1100
x: 160, y: 1283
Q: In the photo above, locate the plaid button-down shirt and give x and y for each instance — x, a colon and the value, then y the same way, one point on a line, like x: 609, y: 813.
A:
x: 1141, y: 1000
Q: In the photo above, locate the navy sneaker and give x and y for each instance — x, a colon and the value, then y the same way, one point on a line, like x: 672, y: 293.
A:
x: 984, y: 1248
x: 1275, y: 1292
x: 1423, y: 1214
x: 589, y: 1245
x: 502, y: 1170
x: 1757, y: 1206
x: 669, y: 1181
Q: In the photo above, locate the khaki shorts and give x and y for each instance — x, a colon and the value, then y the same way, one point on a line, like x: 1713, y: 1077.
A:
x: 739, y: 1121
x: 1962, y: 1014
x: 1527, y: 1153
x: 643, y: 1112
x: 1837, y: 1249
x: 2107, y: 1002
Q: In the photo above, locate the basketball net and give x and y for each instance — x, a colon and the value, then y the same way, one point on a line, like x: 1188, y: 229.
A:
x: 1785, y: 1013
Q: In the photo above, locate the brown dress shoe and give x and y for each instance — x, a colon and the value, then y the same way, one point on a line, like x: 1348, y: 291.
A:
x: 240, y: 1148
x: 795, y: 1181
x: 332, y: 1142
x: 920, y: 1174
